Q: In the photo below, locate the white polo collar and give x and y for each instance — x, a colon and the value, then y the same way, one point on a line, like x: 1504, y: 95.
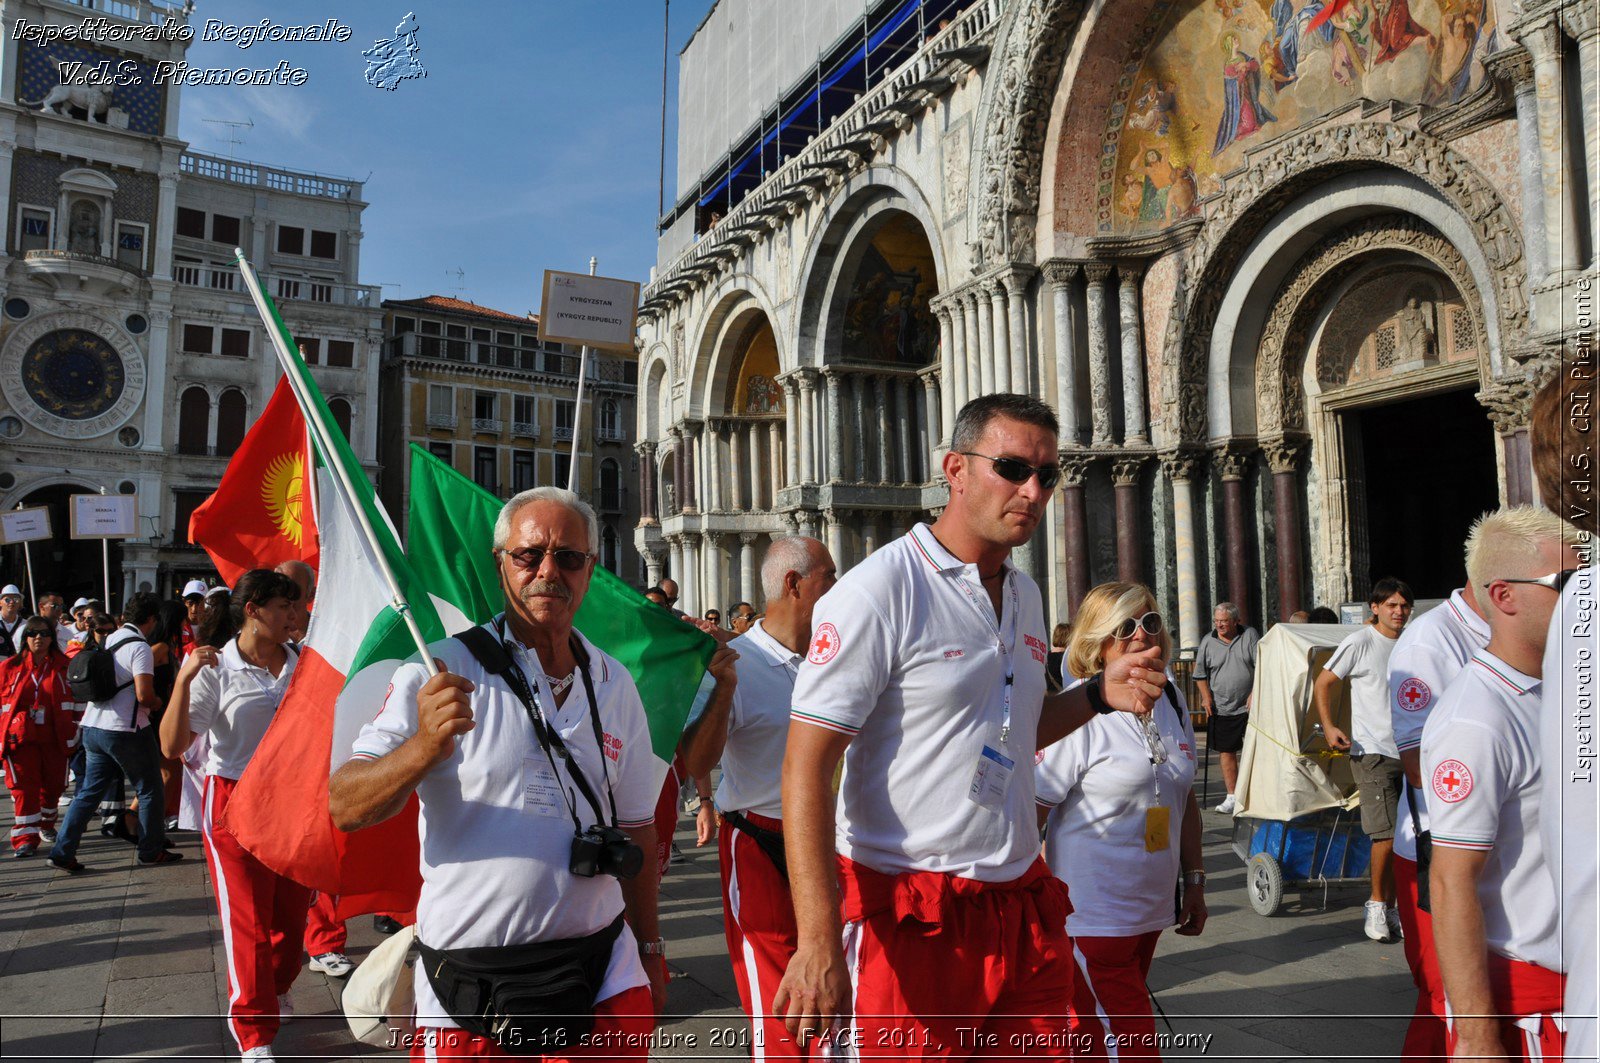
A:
x: 942, y: 560
x: 1457, y: 604
x: 231, y: 659
x: 778, y: 655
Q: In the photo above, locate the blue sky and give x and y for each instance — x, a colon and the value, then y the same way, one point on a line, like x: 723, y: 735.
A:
x: 532, y: 143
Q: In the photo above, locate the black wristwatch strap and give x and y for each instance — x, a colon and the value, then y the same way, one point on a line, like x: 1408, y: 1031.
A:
x: 1097, y: 701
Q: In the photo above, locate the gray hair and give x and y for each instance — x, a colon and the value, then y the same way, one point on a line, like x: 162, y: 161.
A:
x: 791, y: 553
x: 1228, y: 608
x: 558, y: 495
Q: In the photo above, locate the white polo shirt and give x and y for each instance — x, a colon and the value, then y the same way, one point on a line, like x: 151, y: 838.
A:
x: 907, y: 657
x: 758, y: 725
x: 131, y: 656
x: 1362, y: 660
x: 1567, y: 746
x: 1099, y: 783
x: 1430, y: 651
x: 232, y: 704
x: 1480, y: 763
x: 495, y: 827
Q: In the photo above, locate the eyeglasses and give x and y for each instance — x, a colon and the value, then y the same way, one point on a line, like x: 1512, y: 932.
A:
x: 533, y: 557
x: 1018, y: 472
x: 1554, y: 580
x: 1151, y: 622
x: 35, y: 634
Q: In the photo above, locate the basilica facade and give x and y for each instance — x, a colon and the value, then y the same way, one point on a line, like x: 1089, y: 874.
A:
x: 1287, y: 270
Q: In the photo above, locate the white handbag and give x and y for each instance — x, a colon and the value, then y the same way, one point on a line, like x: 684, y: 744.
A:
x: 379, y: 998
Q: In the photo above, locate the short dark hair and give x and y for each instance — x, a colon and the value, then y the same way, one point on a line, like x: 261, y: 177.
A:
x: 1387, y: 586
x: 974, y: 418
x: 224, y: 615
x: 141, y: 607
x: 1321, y: 614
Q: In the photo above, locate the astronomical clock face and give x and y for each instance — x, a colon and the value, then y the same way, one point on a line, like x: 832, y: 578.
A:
x: 72, y: 375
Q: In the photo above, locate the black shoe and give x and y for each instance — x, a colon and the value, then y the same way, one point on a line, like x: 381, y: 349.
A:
x: 25, y: 850
x: 384, y: 924
x: 165, y: 856
x: 68, y: 864
x: 120, y: 829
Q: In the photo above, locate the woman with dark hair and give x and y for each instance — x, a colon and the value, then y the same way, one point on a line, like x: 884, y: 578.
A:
x: 229, y: 688
x: 166, y: 648
x: 35, y: 726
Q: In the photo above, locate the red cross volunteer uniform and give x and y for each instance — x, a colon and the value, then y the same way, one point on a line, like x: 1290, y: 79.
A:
x: 1106, y: 790
x: 1429, y: 653
x: 263, y: 914
x: 936, y: 824
x: 496, y: 832
x: 1480, y: 763
x: 757, y: 908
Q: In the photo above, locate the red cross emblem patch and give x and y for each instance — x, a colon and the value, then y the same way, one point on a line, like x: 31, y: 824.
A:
x: 1452, y: 781
x: 1414, y: 695
x: 824, y: 645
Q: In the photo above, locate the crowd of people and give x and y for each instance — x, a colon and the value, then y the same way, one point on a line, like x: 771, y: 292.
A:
x: 939, y: 832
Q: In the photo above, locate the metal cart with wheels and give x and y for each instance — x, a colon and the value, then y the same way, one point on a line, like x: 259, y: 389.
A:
x: 1325, y: 849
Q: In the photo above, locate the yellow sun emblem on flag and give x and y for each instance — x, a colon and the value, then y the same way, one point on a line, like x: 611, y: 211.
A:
x: 281, y: 490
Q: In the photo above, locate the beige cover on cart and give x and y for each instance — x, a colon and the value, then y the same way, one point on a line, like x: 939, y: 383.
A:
x: 1284, y: 769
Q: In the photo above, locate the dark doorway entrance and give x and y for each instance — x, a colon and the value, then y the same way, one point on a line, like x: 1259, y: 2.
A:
x: 71, y: 568
x: 1420, y: 472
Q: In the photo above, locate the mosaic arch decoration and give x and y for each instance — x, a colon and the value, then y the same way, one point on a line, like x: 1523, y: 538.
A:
x: 1225, y: 76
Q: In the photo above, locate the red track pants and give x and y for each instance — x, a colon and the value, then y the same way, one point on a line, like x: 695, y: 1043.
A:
x: 36, y: 773
x: 622, y: 1028
x: 263, y: 922
x: 758, y: 919
x: 945, y: 967
x: 1425, y: 1037
x: 1530, y: 995
x: 324, y: 929
x: 1111, y: 1014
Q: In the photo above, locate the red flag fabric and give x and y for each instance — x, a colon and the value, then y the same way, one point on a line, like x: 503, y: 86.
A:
x: 261, y: 513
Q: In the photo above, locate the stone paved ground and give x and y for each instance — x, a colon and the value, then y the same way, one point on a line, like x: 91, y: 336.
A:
x: 127, y: 962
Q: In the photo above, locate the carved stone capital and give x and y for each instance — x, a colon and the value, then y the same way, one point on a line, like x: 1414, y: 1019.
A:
x: 1061, y: 274
x: 1232, y: 462
x: 831, y: 516
x: 1130, y: 274
x: 1542, y: 36
x: 1512, y: 65
x: 1509, y: 403
x: 1125, y: 470
x: 690, y: 539
x: 1182, y: 466
x: 1581, y: 20
x: 1098, y: 272
x: 1283, y: 455
x: 748, y: 538
x: 712, y: 539
x: 1075, y: 466
x: 1015, y: 279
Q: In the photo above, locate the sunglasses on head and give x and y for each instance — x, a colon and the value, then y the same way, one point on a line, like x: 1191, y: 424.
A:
x: 1018, y: 472
x: 533, y: 557
x: 1151, y: 622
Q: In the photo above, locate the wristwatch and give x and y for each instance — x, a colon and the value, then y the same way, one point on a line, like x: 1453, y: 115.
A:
x: 658, y: 947
x: 1194, y: 878
x: 1097, y: 702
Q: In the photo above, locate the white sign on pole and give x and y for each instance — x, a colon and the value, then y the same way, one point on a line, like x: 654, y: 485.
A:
x: 24, y: 525
x: 104, y: 516
x: 597, y: 311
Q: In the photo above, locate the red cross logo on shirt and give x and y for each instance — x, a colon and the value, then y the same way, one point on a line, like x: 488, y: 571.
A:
x: 1414, y: 695
x: 1452, y: 781
x: 824, y: 645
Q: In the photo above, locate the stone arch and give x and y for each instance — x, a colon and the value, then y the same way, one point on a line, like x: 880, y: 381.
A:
x: 836, y: 247
x: 25, y: 488
x: 738, y: 307
x: 656, y: 375
x: 1293, y: 193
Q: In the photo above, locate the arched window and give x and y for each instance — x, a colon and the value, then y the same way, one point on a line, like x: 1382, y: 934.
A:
x: 230, y: 422
x: 194, y: 421
x: 610, y: 486
x: 340, y: 408
x: 610, y: 420
x: 610, y: 553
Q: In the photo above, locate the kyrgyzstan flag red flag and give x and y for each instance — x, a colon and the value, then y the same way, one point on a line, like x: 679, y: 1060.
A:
x: 261, y: 513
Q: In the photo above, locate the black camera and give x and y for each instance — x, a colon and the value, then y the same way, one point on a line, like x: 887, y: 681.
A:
x: 603, y: 850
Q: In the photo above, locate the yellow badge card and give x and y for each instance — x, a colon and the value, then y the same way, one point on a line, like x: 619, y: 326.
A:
x: 1156, y: 822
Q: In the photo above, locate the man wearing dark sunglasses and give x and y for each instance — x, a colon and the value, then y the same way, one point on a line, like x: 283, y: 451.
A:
x: 932, y: 653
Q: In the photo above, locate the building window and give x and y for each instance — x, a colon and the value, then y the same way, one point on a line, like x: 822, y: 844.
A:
x: 610, y: 420
x: 522, y: 475
x: 483, y: 468
x: 341, y: 353
x: 563, y: 468
x: 441, y: 401
x: 483, y: 405
x: 610, y: 552
x: 230, y: 422
x: 443, y: 451
x: 324, y: 244
x: 310, y: 348
x: 236, y: 343
x: 340, y: 408
x: 194, y: 421
x: 197, y: 339
x: 130, y: 244
x: 191, y: 223
x: 224, y: 229
x: 610, y: 486
x: 430, y: 328
x: 291, y: 240
x: 186, y: 270
x: 565, y: 409
x: 33, y: 229
x: 184, y: 503
x: 403, y: 325
x: 522, y: 412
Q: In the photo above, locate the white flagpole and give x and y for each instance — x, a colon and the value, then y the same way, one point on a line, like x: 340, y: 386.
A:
x: 105, y: 565
x: 319, y: 430
x: 27, y: 564
x: 577, y: 403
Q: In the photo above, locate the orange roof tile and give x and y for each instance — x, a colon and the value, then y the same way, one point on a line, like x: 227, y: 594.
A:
x: 447, y: 304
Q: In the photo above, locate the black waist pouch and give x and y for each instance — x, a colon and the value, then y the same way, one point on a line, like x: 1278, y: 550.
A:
x: 769, y: 841
x: 1424, y: 854
x: 531, y: 1000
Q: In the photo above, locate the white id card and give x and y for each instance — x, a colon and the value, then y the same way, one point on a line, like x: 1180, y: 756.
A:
x: 992, y: 778
x: 541, y: 791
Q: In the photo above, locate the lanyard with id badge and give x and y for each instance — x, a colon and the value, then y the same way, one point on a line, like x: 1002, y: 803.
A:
x: 991, y: 779
x: 1158, y: 817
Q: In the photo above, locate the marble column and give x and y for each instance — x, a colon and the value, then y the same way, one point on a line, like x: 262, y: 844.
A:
x: 1061, y: 276
x: 1544, y: 42
x: 653, y: 556
x: 675, y: 561
x: 716, y: 593
x: 1075, y: 527
x: 905, y: 417
x: 1015, y: 282
x: 1582, y: 23
x: 1125, y: 481
x: 936, y: 401
x: 974, y: 351
x: 759, y: 497
x: 711, y: 466
x: 1134, y: 429
x: 1233, y: 465
x: 947, y: 373
x: 1000, y: 344
x: 791, y: 428
x: 689, y: 582
x: 736, y: 466
x: 834, y: 535
x: 691, y: 489
x: 858, y: 391
x: 1283, y: 458
x: 984, y: 311
x: 882, y: 385
x: 680, y: 465
x: 647, y: 483
x: 749, y: 581
x: 836, y: 434
x: 1098, y: 273
x: 1515, y: 65
x: 956, y: 382
x: 870, y: 540
x: 1182, y: 468
x: 808, y: 432
x: 775, y: 449
x: 808, y: 523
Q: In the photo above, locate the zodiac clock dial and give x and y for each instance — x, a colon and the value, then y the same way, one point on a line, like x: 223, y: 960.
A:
x: 73, y: 374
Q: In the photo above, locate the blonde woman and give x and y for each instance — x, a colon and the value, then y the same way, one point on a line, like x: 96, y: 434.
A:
x: 1122, y: 826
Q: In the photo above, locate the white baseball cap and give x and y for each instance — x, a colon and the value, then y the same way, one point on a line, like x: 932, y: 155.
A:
x: 218, y: 589
x: 10, y: 590
x: 79, y: 604
x: 194, y: 587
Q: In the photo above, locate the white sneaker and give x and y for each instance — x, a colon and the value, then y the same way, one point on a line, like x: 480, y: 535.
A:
x: 1391, y: 916
x: 263, y: 1052
x: 1227, y: 806
x: 1377, y: 922
x: 285, y: 1009
x: 332, y: 964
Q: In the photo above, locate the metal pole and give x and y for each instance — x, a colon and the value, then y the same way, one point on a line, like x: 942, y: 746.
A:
x: 577, y: 403
x: 292, y: 369
x: 105, y: 565
x: 27, y: 563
